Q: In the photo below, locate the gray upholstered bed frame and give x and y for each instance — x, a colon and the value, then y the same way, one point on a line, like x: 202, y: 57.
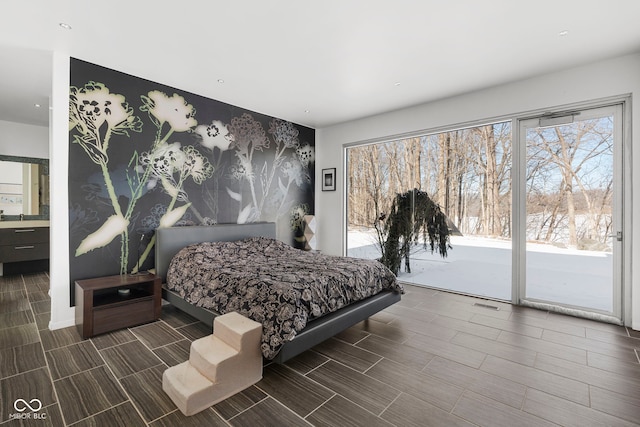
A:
x: 170, y: 240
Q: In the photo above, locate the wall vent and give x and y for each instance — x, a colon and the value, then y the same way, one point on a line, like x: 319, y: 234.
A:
x: 492, y: 307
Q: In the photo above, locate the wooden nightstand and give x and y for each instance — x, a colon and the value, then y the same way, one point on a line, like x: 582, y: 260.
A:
x: 103, y: 304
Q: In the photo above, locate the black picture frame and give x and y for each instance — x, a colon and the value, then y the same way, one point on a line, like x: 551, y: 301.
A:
x: 329, y: 179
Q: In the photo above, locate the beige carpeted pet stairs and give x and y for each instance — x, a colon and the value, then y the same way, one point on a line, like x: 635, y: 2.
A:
x: 219, y: 365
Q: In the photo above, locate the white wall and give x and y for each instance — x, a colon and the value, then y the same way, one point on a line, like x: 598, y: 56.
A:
x: 614, y: 77
x: 62, y: 315
x: 17, y: 139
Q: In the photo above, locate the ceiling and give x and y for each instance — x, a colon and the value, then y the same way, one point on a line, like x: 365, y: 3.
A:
x: 315, y: 63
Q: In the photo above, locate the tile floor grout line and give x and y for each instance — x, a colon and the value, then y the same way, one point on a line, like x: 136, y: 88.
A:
x: 46, y: 360
x: 160, y: 417
x: 97, y: 413
x: 321, y: 385
x: 524, y: 397
x: 59, y: 347
x: 355, y: 344
x: 367, y: 410
x: 320, y: 405
x: 161, y: 322
x: 375, y: 363
x: 215, y: 411
x: 266, y: 396
x: 124, y: 390
x: 390, y: 403
x: 320, y: 365
x: 367, y: 375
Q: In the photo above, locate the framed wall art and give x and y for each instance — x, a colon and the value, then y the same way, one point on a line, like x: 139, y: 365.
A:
x: 329, y: 179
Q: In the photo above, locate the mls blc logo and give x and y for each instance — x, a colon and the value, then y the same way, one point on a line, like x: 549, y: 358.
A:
x: 22, y: 405
x: 28, y: 410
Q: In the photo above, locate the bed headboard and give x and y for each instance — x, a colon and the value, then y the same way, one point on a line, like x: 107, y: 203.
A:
x: 170, y: 240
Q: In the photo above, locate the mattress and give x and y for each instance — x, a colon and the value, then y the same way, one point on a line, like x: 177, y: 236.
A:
x: 273, y: 283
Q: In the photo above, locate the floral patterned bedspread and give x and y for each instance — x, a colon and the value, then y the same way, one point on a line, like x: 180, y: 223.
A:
x: 273, y: 283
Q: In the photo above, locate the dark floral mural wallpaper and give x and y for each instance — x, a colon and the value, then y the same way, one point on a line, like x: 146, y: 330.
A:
x: 143, y: 155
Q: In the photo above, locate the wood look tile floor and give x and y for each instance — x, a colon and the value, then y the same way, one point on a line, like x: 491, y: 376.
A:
x: 434, y: 359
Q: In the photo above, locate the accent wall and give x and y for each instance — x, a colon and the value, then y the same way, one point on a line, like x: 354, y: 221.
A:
x: 143, y: 155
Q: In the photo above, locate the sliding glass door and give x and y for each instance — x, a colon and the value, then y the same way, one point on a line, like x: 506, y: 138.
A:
x: 570, y: 212
x: 537, y: 222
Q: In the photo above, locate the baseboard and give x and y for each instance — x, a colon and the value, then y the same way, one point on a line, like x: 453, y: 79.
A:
x: 62, y: 324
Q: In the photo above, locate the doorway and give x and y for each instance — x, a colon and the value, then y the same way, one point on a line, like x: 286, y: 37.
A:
x: 570, y: 213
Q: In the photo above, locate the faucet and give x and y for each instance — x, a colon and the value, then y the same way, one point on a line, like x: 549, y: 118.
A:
x: 21, y: 217
x: 1, y: 214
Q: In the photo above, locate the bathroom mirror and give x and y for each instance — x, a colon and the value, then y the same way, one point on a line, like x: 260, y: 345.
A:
x: 24, y: 188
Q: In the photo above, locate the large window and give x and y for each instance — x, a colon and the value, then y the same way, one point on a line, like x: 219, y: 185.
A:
x: 467, y: 173
x: 537, y: 221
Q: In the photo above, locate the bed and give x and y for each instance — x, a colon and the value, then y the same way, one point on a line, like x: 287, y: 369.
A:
x: 174, y: 241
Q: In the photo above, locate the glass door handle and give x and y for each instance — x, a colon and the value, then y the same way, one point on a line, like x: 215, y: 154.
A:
x: 618, y: 236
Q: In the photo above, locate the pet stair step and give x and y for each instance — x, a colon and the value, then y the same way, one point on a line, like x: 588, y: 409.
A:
x: 236, y: 330
x: 212, y: 357
x: 216, y: 369
x: 188, y: 388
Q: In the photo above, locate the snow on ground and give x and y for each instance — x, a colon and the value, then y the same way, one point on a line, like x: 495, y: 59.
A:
x: 482, y: 266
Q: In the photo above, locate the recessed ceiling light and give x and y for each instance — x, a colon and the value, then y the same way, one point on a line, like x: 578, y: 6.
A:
x: 307, y: 111
x: 65, y: 26
x: 36, y: 105
x: 396, y: 84
x: 220, y: 80
x: 563, y: 33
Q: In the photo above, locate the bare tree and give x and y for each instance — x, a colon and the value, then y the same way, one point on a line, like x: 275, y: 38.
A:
x: 466, y: 172
x: 570, y: 152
